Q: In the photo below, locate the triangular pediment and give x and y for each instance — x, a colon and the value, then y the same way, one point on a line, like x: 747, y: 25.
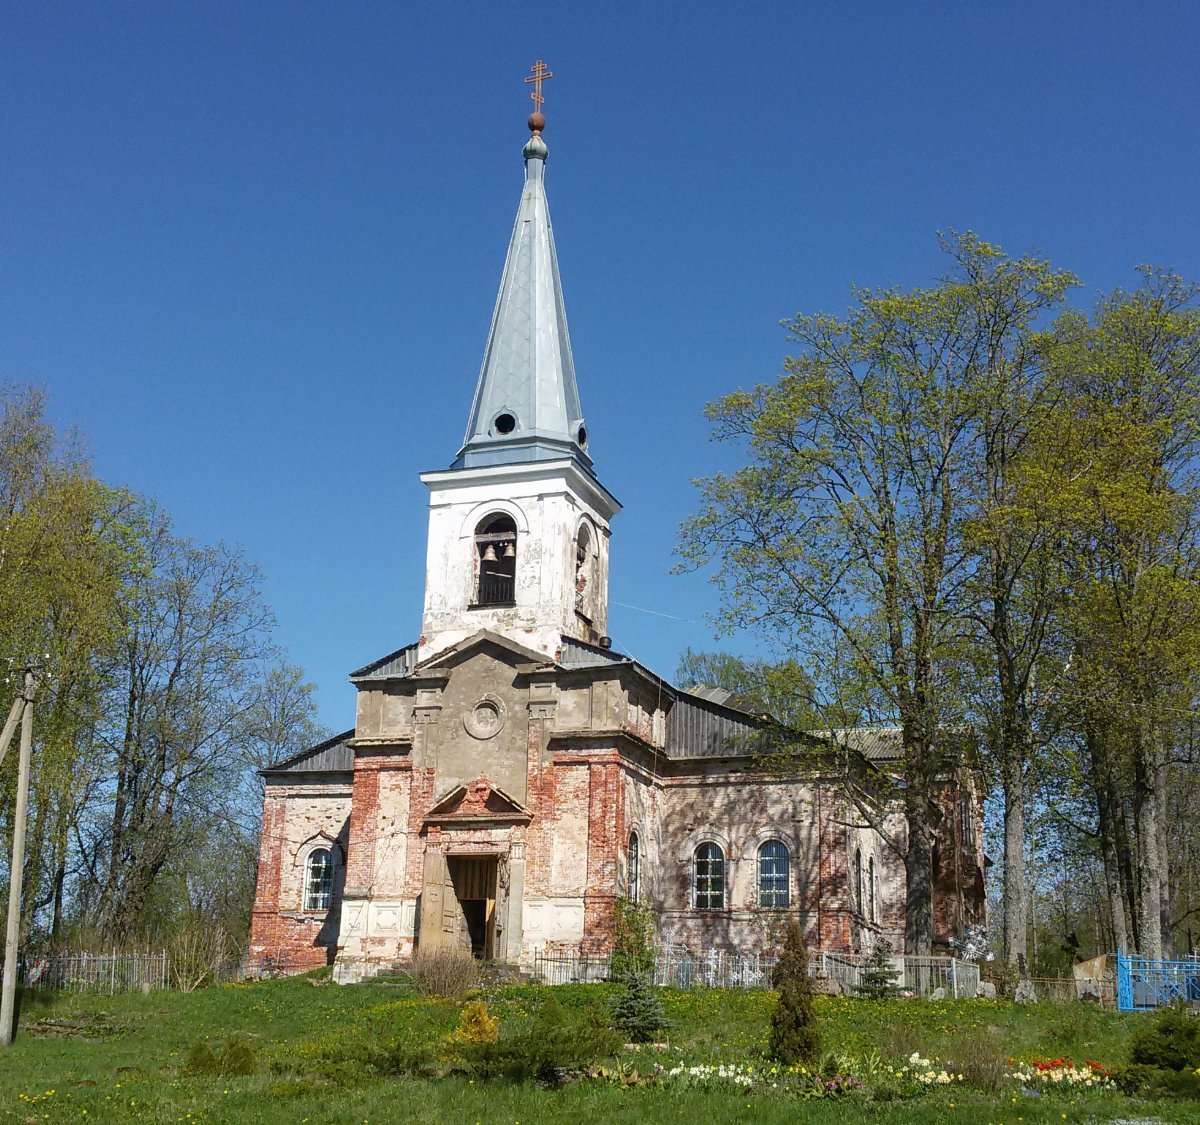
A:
x: 508, y: 650
x: 475, y: 801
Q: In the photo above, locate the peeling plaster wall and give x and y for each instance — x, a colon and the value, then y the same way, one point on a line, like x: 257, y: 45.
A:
x: 547, y: 501
x: 456, y: 755
x: 643, y: 814
x: 296, y: 819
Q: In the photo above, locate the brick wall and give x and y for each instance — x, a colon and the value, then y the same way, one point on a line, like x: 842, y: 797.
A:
x: 298, y: 817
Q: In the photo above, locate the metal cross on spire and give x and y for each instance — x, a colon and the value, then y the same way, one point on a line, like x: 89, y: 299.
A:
x: 539, y: 72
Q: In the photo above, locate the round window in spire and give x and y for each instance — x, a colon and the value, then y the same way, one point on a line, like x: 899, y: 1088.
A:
x: 504, y: 423
x: 581, y: 437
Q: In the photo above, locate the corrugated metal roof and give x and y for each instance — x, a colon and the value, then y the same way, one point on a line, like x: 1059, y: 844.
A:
x: 702, y: 728
x: 331, y: 756
x: 876, y: 744
x: 579, y: 654
x: 396, y: 665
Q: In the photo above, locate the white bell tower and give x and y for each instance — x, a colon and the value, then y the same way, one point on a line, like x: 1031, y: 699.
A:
x: 519, y: 524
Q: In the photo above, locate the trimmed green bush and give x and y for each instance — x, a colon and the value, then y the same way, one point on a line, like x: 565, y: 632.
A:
x: 1170, y: 1041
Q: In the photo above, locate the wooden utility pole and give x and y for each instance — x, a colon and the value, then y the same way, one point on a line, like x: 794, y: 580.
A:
x: 23, y: 706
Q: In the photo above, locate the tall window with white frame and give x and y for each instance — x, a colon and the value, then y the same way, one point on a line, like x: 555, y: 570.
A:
x: 871, y: 890
x: 318, y: 880
x: 708, y: 877
x: 633, y: 865
x: 773, y: 863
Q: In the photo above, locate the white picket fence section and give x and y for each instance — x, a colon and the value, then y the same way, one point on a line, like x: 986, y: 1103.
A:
x: 680, y: 968
x: 918, y: 975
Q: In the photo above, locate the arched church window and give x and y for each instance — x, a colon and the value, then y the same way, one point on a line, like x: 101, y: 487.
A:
x: 773, y: 875
x: 858, y: 880
x: 318, y: 880
x: 633, y: 867
x: 583, y: 571
x: 871, y: 892
x: 496, y: 561
x: 708, y: 877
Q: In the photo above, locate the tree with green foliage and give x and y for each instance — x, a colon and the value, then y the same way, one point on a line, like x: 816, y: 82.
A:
x: 1131, y: 506
x: 634, y: 925
x: 69, y: 546
x: 795, y: 1037
x: 845, y: 534
x: 780, y: 689
x: 160, y: 692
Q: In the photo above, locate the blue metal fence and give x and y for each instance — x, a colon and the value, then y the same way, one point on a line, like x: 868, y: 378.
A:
x: 1144, y: 984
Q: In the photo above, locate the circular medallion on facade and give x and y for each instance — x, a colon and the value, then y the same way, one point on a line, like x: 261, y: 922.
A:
x: 486, y: 718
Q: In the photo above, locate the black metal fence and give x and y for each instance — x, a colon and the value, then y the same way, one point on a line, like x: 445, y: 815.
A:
x: 97, y: 972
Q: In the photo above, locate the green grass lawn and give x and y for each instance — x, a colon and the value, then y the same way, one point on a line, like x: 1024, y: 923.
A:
x: 126, y: 1059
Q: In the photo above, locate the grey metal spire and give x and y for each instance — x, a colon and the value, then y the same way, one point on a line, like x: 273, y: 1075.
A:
x: 526, y: 405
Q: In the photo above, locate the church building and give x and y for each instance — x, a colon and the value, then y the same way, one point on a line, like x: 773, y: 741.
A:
x: 510, y: 775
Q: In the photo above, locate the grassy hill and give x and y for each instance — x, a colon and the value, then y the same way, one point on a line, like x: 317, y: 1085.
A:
x: 118, y: 1058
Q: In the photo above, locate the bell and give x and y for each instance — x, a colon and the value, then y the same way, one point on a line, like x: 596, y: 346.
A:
x: 509, y: 550
x: 489, y: 553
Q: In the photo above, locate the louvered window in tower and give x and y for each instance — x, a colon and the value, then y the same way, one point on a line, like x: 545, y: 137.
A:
x: 495, y: 561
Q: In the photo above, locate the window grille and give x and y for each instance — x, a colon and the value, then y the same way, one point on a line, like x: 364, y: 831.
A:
x: 633, y: 870
x: 773, y: 875
x: 708, y: 880
x: 318, y: 886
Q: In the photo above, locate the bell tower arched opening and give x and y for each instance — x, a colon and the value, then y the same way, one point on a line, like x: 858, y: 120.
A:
x: 495, y: 561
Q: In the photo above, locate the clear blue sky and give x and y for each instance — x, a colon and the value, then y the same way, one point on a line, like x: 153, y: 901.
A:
x: 251, y: 250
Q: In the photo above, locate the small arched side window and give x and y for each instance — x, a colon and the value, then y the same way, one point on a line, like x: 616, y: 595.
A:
x: 858, y: 880
x: 708, y: 877
x: 773, y: 862
x: 495, y: 561
x: 633, y: 868
x: 318, y: 880
x: 583, y: 572
x: 871, y: 898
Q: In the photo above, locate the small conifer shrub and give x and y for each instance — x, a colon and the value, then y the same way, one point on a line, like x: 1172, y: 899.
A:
x: 637, y: 1010
x: 237, y: 1057
x: 476, y: 1025
x: 877, y: 978
x: 795, y: 1037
